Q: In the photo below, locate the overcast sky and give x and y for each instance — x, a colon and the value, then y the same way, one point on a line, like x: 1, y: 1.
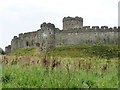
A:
x: 119, y: 13
x: 19, y: 16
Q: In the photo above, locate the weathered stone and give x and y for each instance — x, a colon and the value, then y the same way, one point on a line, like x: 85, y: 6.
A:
x: 71, y: 23
x: 73, y: 33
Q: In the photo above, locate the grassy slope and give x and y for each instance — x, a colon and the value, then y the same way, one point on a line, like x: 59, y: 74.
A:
x: 72, y: 51
x: 70, y: 76
x: 86, y: 51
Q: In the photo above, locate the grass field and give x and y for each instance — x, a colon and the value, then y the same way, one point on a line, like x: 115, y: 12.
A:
x: 62, y: 67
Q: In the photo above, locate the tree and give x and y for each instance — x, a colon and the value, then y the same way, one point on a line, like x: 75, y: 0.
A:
x: 1, y: 51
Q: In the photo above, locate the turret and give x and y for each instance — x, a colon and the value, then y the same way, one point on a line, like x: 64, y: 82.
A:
x: 72, y: 23
x: 47, y: 36
x: 8, y: 49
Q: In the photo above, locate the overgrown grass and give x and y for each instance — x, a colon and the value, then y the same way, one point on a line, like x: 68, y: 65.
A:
x: 24, y: 52
x: 80, y: 67
x: 36, y: 76
x: 101, y: 51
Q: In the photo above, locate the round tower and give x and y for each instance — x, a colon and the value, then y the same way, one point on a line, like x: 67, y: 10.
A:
x: 47, y: 36
x: 71, y: 23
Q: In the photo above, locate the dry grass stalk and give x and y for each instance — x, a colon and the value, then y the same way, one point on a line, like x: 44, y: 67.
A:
x: 105, y: 67
x: 45, y: 62
x: 55, y: 63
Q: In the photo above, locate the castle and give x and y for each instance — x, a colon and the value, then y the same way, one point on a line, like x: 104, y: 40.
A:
x: 73, y: 33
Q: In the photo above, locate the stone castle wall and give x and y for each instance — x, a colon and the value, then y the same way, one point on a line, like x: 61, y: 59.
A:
x: 24, y: 40
x: 87, y: 36
x: 73, y: 33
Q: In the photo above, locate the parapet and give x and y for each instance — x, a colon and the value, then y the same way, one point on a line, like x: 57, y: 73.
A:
x: 8, y: 49
x: 57, y: 30
x: 28, y: 34
x: 104, y: 27
x: 15, y: 37
x: 99, y: 29
x: 9, y: 46
x: 21, y: 34
x: 86, y: 27
x: 72, y: 18
x: 115, y: 27
x: 50, y: 25
x: 95, y: 27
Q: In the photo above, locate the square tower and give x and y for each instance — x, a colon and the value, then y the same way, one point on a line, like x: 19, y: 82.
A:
x: 47, y: 36
x: 71, y: 23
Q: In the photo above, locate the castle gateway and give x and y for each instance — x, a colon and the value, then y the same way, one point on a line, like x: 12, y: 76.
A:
x: 73, y: 33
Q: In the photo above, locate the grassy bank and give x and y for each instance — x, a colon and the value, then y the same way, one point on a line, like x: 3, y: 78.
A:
x: 62, y: 67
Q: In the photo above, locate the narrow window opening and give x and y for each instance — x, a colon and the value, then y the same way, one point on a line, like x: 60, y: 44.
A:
x: 27, y: 43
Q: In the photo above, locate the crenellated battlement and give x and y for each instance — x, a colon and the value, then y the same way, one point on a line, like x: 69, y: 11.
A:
x: 72, y: 18
x: 21, y: 35
x: 15, y: 37
x: 8, y: 49
x: 30, y: 33
x: 48, y: 25
x: 73, y: 33
x: 100, y: 28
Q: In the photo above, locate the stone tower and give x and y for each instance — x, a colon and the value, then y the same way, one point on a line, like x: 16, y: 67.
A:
x: 47, y: 36
x: 15, y: 43
x: 71, y: 23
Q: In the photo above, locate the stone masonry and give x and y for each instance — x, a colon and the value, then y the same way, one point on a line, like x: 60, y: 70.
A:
x: 73, y: 33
